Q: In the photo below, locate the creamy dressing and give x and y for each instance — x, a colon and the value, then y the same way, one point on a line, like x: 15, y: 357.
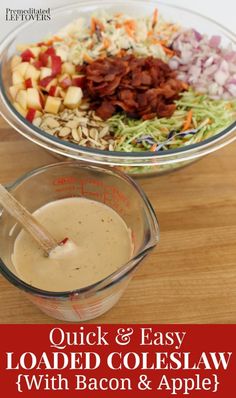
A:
x: 102, y: 244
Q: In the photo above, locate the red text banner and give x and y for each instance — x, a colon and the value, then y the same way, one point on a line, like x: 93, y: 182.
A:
x: 100, y: 361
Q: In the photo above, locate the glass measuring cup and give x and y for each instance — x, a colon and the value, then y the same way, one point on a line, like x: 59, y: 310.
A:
x: 70, y: 179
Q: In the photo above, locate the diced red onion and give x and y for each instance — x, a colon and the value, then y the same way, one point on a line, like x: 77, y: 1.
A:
x: 232, y: 81
x: 232, y: 89
x: 221, y: 77
x: 202, y: 63
x: 214, y: 41
x: 230, y: 56
x: 198, y: 35
x: 173, y: 63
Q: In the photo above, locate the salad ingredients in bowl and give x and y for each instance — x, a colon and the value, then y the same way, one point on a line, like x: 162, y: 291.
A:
x: 130, y: 91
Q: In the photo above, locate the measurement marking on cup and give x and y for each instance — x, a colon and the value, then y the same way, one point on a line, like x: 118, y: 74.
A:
x: 65, y: 180
x: 67, y: 188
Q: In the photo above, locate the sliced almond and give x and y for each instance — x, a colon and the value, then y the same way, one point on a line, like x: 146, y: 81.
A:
x: 64, y: 132
x: 76, y: 135
x: 37, y: 121
x: 85, y: 131
x: 73, y: 124
x: 93, y: 134
x: 83, y: 120
x: 104, y: 131
x: 52, y: 123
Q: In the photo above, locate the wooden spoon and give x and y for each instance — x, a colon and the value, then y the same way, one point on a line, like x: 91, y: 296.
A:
x: 28, y: 222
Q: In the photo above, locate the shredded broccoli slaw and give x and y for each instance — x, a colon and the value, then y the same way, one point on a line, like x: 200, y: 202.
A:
x: 110, y: 34
x: 208, y: 118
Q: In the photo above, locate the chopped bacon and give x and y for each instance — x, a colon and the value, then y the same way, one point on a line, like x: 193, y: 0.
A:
x: 105, y: 110
x: 141, y: 87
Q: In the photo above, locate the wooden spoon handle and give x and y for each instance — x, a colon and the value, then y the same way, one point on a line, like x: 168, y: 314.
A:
x: 28, y: 222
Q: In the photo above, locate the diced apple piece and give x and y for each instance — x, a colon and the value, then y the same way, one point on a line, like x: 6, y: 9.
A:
x: 27, y: 55
x: 28, y: 83
x: 45, y: 72
x: 14, y: 90
x: 30, y: 115
x: 53, y: 82
x: 35, y: 51
x: 32, y: 73
x: 52, y: 104
x: 68, y: 67
x: 21, y: 98
x: 44, y: 58
x: 38, y: 114
x: 37, y: 64
x: 50, y: 51
x: 17, y: 78
x: 19, y: 109
x: 42, y: 99
x: 65, y: 81
x: 33, y: 99
x: 62, y: 53
x: 61, y: 92
x: 47, y: 83
x: 21, y: 68
x: 16, y: 60
x: 78, y: 81
x: 54, y: 91
x: 73, y: 97
x: 55, y: 63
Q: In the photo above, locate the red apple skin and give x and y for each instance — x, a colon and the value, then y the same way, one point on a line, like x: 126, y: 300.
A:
x: 52, y: 91
x: 50, y: 51
x: 27, y: 55
x: 37, y: 64
x: 30, y: 115
x: 28, y: 83
x: 56, y: 65
x: 45, y: 81
x: 42, y: 99
x: 43, y: 58
x: 79, y: 82
x: 65, y: 83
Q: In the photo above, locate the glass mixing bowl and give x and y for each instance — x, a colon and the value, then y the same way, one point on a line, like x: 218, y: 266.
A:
x: 145, y: 163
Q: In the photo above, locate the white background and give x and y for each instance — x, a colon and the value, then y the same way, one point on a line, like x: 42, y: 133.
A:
x: 222, y: 11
